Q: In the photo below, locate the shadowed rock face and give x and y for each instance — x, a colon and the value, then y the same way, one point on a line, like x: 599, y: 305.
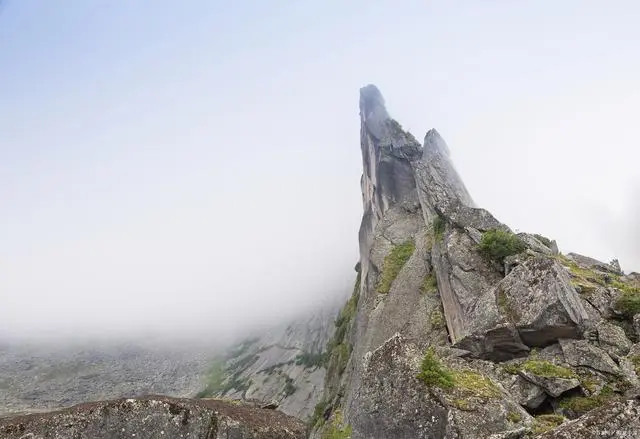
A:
x: 155, y: 417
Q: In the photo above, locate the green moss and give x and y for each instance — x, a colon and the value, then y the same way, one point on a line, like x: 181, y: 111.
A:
x: 513, y: 369
x: 505, y: 306
x: 585, y: 288
x: 635, y: 359
x: 345, y: 317
x: 587, y: 279
x: 437, y: 319
x: 289, y: 387
x: 475, y: 384
x: 430, y: 284
x: 543, y: 239
x: 628, y: 304
x: 433, y: 373
x: 547, y: 369
x: 216, y: 376
x: 428, y: 241
x: 589, y: 383
x: 514, y: 417
x: 582, y: 404
x: 625, y: 287
x: 311, y: 360
x: 544, y: 423
x: 337, y: 429
x: 463, y: 404
x: 339, y: 359
x: 393, y: 263
x: 338, y: 348
x: 470, y: 383
x: 498, y: 244
x: 439, y: 226
x: 317, y: 418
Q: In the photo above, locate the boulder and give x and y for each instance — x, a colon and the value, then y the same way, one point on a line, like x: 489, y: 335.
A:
x: 620, y: 419
x: 612, y: 339
x: 583, y: 353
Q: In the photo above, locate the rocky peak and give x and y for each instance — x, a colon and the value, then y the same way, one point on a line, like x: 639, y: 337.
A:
x: 457, y: 326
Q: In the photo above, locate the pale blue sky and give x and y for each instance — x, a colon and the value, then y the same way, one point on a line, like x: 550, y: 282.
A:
x: 200, y: 160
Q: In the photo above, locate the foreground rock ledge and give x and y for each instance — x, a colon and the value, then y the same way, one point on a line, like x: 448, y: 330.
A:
x: 155, y: 417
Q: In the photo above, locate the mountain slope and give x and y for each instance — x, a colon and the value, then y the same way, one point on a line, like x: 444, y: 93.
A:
x: 284, y: 367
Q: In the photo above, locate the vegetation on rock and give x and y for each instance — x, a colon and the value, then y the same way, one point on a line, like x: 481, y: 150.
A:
x: 547, y: 369
x: 543, y: 239
x: 433, y: 373
x: 475, y: 384
x: 337, y: 429
x: 430, y: 284
x: 317, y: 419
x: 544, y: 423
x: 514, y: 417
x: 472, y: 384
x: 498, y: 244
x: 438, y: 228
x: 437, y: 319
x: 311, y: 360
x: 628, y: 303
x: 580, y: 405
x: 289, y: 387
x: 393, y: 263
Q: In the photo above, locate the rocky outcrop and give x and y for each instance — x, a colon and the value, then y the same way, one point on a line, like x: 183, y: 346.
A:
x: 619, y: 420
x: 155, y: 417
x: 524, y: 336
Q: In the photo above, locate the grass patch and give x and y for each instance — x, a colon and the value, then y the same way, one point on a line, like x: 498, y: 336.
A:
x: 498, y: 244
x: 430, y: 284
x: 437, y: 319
x: 547, y: 369
x: 433, y: 373
x: 337, y: 429
x: 585, y: 278
x: 514, y: 417
x: 439, y: 226
x: 543, y: 239
x: 589, y: 383
x: 289, y: 387
x: 463, y: 404
x: 635, y: 360
x: 628, y: 304
x: 317, y: 418
x: 311, y: 360
x: 339, y: 359
x: 505, y: 306
x: 580, y: 405
x: 475, y: 384
x: 216, y: 376
x: 544, y: 423
x: 393, y: 263
x: 513, y: 369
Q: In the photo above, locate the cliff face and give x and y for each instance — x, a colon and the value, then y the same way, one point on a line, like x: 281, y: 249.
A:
x: 458, y: 327
x: 284, y: 367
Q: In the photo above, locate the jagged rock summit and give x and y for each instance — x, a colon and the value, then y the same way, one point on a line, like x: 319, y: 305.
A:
x: 460, y: 328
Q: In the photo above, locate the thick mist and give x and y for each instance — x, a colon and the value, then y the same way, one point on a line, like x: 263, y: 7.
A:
x: 192, y: 173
